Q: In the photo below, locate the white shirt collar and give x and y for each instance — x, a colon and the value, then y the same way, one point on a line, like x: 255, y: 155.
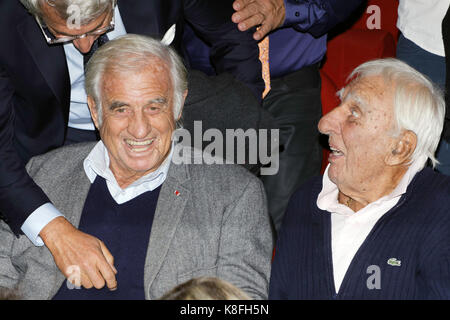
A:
x: 97, y: 164
x: 328, y: 197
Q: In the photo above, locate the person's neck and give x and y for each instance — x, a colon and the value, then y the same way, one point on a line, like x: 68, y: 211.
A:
x: 379, y: 186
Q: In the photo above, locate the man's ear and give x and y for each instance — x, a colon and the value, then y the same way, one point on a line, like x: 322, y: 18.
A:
x: 402, y: 149
x: 93, y: 108
x: 182, y: 105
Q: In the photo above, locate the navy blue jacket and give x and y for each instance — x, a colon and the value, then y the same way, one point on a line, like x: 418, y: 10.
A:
x: 35, y: 84
x: 416, y: 232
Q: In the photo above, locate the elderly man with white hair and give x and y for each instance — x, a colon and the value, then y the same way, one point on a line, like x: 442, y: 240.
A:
x: 377, y: 224
x: 164, y: 222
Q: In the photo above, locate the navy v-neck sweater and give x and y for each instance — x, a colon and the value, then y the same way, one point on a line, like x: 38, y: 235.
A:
x: 125, y: 230
x: 415, y: 233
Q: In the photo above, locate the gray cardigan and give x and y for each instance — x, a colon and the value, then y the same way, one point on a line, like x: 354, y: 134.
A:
x: 218, y: 225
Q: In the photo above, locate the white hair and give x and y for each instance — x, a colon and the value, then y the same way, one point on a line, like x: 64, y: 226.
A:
x: 419, y: 105
x: 88, y: 10
x: 132, y: 53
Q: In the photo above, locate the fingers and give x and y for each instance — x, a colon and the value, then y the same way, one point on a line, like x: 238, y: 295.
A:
x: 238, y: 4
x: 108, y: 277
x: 108, y: 271
x: 93, y: 275
x: 86, y: 281
x: 73, y: 274
x: 254, y: 20
x: 262, y: 32
x: 267, y: 14
x: 100, y: 270
x: 82, y: 279
x: 248, y: 16
x: 94, y: 278
x: 108, y: 256
x: 82, y: 258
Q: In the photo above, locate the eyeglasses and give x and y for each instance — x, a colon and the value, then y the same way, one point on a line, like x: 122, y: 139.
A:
x: 55, y: 39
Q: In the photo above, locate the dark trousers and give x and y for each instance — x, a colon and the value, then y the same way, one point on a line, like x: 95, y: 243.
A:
x: 294, y: 101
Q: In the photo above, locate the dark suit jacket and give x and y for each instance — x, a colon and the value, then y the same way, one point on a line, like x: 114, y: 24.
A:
x: 35, y: 84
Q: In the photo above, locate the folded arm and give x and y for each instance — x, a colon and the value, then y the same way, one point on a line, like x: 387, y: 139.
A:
x: 231, y: 50
x: 19, y: 195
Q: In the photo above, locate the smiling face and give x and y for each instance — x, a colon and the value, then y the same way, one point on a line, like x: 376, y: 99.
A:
x: 359, y: 131
x: 137, y: 121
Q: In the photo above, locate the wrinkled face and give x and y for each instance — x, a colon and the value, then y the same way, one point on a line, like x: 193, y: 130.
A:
x: 359, y: 131
x: 60, y: 28
x: 137, y: 120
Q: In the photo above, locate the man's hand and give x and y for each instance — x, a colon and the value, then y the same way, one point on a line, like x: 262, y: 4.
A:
x: 72, y: 248
x: 268, y: 14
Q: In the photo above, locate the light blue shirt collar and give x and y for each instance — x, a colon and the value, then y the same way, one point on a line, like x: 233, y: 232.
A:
x: 97, y: 164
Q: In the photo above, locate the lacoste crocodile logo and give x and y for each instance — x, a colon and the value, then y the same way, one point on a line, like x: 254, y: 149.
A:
x: 394, y: 262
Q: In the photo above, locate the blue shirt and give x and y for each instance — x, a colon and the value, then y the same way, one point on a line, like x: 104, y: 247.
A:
x: 290, y: 50
x: 79, y: 115
x: 299, y: 43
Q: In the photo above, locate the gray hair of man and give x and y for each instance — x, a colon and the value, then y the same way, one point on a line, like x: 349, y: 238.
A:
x: 88, y: 10
x: 131, y: 53
x: 419, y: 105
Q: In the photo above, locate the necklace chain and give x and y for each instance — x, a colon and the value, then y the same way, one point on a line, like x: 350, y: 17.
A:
x: 349, y: 201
